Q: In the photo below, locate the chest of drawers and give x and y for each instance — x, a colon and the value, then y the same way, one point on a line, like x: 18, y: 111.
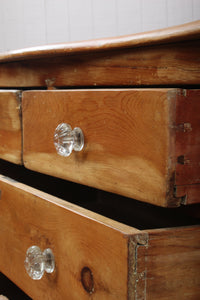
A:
x: 136, y: 100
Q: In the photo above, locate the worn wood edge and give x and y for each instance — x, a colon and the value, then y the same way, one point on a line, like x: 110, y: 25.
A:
x: 171, y: 200
x: 171, y: 230
x: 188, y: 31
x: 124, y: 229
x: 19, y: 99
x: 12, y: 91
x: 134, y: 276
x: 170, y: 90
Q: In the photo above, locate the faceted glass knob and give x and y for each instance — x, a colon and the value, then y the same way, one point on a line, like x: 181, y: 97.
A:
x: 37, y: 262
x: 66, y: 139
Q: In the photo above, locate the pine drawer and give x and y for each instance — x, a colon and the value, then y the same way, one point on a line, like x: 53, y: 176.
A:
x: 10, y: 126
x: 98, y: 257
x: 140, y: 143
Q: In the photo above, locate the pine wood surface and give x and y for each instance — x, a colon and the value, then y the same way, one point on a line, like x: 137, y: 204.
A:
x: 128, y: 139
x: 10, y: 126
x: 172, y: 264
x: 125, y: 263
x: 78, y: 238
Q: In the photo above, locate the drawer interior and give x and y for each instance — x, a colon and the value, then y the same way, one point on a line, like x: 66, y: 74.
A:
x: 10, y: 290
x: 122, y: 209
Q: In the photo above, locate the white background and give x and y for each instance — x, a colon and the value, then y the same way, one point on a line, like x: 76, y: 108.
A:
x: 25, y: 23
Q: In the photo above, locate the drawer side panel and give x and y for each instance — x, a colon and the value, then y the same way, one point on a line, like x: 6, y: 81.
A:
x: 188, y: 146
x: 173, y: 264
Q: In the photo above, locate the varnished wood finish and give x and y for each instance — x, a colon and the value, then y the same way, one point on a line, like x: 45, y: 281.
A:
x: 162, y: 57
x: 10, y: 126
x: 78, y: 238
x: 129, y: 139
x: 185, y: 32
x: 171, y: 64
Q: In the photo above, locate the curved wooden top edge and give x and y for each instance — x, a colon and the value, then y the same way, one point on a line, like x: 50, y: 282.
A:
x: 188, y: 31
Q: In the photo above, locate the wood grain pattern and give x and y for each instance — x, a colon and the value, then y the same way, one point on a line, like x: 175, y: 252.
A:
x: 188, y: 144
x: 10, y: 126
x: 128, y: 139
x: 126, y: 263
x: 185, y: 32
x: 170, y: 64
x: 172, y: 264
x: 79, y: 239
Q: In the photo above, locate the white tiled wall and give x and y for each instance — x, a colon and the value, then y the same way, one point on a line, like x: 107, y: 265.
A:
x: 25, y: 23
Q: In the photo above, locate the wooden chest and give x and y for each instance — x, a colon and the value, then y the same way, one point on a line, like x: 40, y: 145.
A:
x: 121, y: 215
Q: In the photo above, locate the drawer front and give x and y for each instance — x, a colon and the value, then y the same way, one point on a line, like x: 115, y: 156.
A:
x: 143, y: 143
x: 95, y: 257
x: 92, y: 253
x: 128, y: 139
x: 10, y: 126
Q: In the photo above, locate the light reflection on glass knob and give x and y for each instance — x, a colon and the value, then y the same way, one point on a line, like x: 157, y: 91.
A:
x: 37, y: 262
x: 66, y: 139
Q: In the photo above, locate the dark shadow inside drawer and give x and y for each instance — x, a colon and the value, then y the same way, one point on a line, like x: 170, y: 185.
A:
x: 125, y: 210
x: 10, y: 290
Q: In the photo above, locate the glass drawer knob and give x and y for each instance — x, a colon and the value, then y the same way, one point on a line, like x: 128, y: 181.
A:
x: 66, y: 139
x: 37, y: 262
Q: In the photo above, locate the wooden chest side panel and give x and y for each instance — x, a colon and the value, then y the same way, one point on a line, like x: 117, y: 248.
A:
x: 188, y: 145
x: 172, y: 264
x: 10, y: 126
x: 127, y: 139
x: 77, y: 237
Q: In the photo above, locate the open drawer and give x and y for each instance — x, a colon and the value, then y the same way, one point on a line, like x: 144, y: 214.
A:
x: 140, y: 143
x: 10, y: 126
x: 95, y: 257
